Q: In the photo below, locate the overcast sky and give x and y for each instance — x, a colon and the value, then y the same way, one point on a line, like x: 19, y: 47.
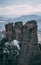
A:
x: 20, y: 7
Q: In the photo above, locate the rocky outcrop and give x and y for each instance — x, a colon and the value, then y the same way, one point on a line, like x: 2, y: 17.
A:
x: 27, y: 36
x: 9, y: 31
x: 29, y: 50
x: 18, y: 31
x: 9, y: 27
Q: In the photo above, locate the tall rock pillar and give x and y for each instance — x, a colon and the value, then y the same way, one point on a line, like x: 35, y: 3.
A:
x: 28, y: 42
x: 18, y: 31
x: 9, y: 31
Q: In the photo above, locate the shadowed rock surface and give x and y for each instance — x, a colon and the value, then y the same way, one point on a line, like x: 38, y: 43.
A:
x: 19, y: 31
x: 9, y: 31
x: 30, y: 53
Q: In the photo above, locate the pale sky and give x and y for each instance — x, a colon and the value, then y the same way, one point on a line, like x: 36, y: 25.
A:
x: 20, y: 7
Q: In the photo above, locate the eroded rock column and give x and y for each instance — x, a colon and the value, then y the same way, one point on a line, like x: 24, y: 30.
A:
x: 28, y: 42
x: 18, y: 31
x: 9, y: 31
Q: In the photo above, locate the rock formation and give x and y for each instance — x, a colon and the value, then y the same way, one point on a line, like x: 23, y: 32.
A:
x: 18, y: 31
x: 27, y: 36
x: 29, y: 48
x: 9, y: 31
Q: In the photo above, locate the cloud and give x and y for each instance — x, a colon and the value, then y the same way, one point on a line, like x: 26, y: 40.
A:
x: 19, y: 10
x: 39, y: 37
x: 2, y: 22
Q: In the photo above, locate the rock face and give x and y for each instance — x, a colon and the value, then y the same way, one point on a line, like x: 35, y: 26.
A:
x: 9, y: 27
x: 9, y: 31
x: 18, y: 31
x: 29, y: 48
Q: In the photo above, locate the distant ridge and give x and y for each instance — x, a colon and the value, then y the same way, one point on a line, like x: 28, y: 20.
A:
x: 24, y: 18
